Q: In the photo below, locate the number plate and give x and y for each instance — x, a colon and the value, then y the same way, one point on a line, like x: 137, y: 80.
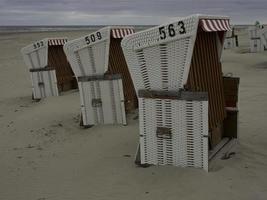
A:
x: 93, y: 38
x: 38, y: 45
x: 172, y: 30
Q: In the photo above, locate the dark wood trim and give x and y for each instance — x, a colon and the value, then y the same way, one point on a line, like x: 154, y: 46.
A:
x: 179, y: 95
x: 99, y: 77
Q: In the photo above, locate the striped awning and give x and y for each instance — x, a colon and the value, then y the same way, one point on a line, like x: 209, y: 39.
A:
x: 55, y: 42
x: 121, y: 32
x: 213, y: 25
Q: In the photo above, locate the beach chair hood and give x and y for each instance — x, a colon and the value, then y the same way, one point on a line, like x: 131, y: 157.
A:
x: 165, y: 52
x: 42, y: 66
x: 35, y: 55
x: 89, y: 55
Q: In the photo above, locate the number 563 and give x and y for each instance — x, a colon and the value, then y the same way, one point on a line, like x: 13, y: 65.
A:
x: 171, y: 31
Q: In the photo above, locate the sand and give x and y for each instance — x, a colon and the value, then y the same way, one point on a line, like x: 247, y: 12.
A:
x: 45, y: 155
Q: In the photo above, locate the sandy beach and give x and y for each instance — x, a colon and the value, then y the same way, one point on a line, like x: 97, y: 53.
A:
x: 45, y: 155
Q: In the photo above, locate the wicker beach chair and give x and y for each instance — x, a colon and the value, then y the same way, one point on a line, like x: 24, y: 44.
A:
x: 257, y: 39
x: 177, y: 73
x: 49, y: 68
x: 103, y: 78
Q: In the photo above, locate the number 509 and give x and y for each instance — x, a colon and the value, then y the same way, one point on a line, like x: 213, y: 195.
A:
x: 93, y: 37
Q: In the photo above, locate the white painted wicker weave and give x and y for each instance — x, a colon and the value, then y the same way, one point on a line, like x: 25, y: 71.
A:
x: 188, y: 122
x: 102, y: 102
x: 44, y: 84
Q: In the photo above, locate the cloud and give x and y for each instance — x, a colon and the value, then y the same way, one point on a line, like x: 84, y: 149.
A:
x: 88, y: 12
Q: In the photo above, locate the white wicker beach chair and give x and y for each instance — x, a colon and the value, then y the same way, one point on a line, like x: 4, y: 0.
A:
x: 257, y: 39
x: 43, y: 77
x: 89, y: 58
x: 159, y: 59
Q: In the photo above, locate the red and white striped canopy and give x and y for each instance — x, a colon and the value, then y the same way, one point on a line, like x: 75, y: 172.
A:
x: 55, y: 42
x: 121, y: 32
x: 213, y: 25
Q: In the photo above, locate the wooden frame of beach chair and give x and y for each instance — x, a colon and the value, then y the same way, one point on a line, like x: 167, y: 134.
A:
x: 100, y: 54
x: 181, y: 57
x: 49, y: 68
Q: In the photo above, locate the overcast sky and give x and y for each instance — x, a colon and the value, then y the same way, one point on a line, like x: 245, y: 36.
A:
x: 94, y: 12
